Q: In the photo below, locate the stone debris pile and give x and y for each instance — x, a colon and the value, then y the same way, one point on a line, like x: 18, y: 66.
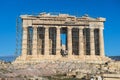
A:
x: 50, y: 68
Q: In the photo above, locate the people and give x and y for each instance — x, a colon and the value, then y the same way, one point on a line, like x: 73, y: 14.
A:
x: 66, y: 52
x: 63, y: 52
x: 99, y: 78
x: 92, y: 78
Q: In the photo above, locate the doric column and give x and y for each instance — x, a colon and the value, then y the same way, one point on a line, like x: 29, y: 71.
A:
x: 69, y: 40
x: 92, y: 42
x: 101, y: 43
x: 46, y: 48
x: 58, y: 47
x: 81, y: 44
x: 34, y: 48
x: 24, y: 42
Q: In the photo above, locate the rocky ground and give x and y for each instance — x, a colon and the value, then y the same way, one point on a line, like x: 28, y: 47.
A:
x: 54, y: 69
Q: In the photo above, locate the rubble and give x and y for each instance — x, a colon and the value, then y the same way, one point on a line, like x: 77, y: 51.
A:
x: 50, y: 68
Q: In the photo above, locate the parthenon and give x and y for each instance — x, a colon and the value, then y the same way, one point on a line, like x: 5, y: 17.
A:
x: 42, y: 37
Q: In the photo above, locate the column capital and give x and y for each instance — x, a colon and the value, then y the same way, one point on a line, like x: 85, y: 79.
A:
x: 46, y: 27
x: 25, y: 28
x: 57, y: 27
x: 35, y: 25
x: 81, y: 27
x: 92, y: 29
x: 101, y: 28
x: 35, y: 28
x: 69, y: 28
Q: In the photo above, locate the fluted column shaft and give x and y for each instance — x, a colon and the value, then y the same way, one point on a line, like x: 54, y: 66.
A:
x: 92, y: 42
x: 58, y: 47
x: 69, y: 40
x: 81, y: 44
x: 46, y: 48
x: 101, y: 42
x: 34, y: 48
x: 24, y: 42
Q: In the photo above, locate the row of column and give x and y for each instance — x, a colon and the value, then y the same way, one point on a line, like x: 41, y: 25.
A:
x: 81, y: 41
x: 58, y: 40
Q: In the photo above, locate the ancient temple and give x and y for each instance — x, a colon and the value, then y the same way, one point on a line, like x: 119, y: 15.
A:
x: 42, y: 38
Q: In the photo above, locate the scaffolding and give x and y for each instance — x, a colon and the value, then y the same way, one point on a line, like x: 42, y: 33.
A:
x: 18, y: 37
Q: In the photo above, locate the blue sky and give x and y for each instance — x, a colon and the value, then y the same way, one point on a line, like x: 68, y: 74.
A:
x: 11, y: 9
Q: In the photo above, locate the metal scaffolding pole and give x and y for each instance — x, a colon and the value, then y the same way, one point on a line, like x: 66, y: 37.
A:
x: 18, y: 37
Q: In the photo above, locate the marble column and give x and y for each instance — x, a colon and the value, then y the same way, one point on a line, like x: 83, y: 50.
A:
x: 92, y: 42
x: 101, y: 42
x: 69, y: 40
x: 58, y: 46
x: 81, y: 44
x: 46, y: 48
x: 24, y: 42
x: 34, y: 48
